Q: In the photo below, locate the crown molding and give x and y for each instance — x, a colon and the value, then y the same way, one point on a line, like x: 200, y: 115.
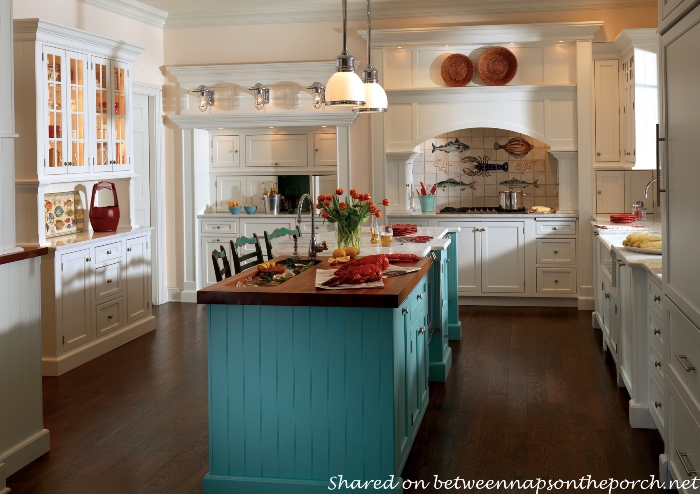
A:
x: 385, y: 10
x: 264, y: 120
x: 303, y: 73
x: 634, y: 38
x: 470, y: 35
x: 132, y: 9
x: 77, y: 39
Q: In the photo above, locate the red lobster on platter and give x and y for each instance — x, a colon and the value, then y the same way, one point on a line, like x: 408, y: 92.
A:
x: 402, y: 257
x: 368, y: 268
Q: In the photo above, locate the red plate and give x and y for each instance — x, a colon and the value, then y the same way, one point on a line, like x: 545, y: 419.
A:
x: 623, y: 217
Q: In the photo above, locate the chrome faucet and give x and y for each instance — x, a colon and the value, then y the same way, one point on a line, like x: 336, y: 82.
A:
x: 314, y: 248
x: 646, y: 189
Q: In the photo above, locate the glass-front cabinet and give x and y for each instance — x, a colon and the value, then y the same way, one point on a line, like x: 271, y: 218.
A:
x: 65, y: 79
x: 111, y: 120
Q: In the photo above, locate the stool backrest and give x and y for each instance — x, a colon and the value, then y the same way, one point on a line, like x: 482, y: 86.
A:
x: 248, y: 260
x: 278, y: 232
x: 218, y: 271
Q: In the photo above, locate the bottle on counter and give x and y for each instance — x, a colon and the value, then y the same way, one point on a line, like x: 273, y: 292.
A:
x: 387, y: 235
x: 285, y: 203
x: 374, y: 230
x: 265, y: 189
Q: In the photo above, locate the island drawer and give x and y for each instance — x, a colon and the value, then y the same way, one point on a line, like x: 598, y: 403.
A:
x: 656, y: 363
x: 418, y: 299
x: 108, y: 316
x: 556, y: 281
x: 556, y: 251
x: 655, y: 298
x: 655, y: 330
x: 108, y: 253
x: 220, y: 226
x: 684, y: 339
x: 656, y: 404
x: 108, y: 281
x: 555, y: 227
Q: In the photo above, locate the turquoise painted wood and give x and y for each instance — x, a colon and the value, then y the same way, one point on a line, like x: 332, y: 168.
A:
x: 439, y: 349
x: 298, y: 395
x: 454, y: 324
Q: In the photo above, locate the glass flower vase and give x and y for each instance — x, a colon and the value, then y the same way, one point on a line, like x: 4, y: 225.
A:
x: 347, y: 237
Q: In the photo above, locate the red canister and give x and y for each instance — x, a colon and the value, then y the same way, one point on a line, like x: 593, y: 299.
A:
x: 104, y: 219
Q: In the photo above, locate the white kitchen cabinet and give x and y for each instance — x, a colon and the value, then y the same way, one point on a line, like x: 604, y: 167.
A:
x: 138, y: 278
x: 671, y: 11
x: 276, y: 150
x: 225, y: 151
x: 74, y: 295
x: 230, y: 188
x: 469, y: 255
x: 113, y: 131
x: 96, y: 296
x: 607, y: 111
x: 503, y: 257
x: 610, y: 192
x: 325, y: 150
x: 325, y: 184
x: 255, y: 187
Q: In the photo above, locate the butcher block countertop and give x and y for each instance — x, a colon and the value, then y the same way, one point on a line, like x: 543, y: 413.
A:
x: 301, y: 290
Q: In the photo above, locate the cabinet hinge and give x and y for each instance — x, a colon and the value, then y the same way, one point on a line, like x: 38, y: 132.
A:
x: 42, y: 57
x: 129, y: 159
x: 523, y: 229
x: 633, y: 105
x: 64, y: 340
x: 148, y: 305
x: 411, y: 346
x: 61, y: 266
x: 146, y: 245
x: 44, y: 161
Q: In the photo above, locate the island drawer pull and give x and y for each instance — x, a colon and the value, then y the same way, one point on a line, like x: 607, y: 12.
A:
x: 657, y: 404
x: 110, y: 317
x: 686, y: 466
x: 404, y: 310
x: 421, y: 330
x: 657, y: 363
x: 109, y: 281
x: 682, y: 359
x: 657, y: 298
x: 657, y: 331
x: 556, y: 252
x: 420, y: 296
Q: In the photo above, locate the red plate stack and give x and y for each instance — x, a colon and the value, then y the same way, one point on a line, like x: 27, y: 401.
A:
x: 622, y: 218
x: 401, y: 230
x: 423, y: 239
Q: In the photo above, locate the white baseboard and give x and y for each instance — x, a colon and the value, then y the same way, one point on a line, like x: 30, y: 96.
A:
x: 595, y: 322
x: 23, y: 454
x: 189, y: 296
x: 518, y: 301
x: 640, y: 418
x: 174, y: 294
x: 3, y: 480
x: 586, y: 303
x: 85, y: 353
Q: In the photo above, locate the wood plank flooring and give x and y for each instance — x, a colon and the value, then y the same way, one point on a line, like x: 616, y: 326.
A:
x: 530, y: 394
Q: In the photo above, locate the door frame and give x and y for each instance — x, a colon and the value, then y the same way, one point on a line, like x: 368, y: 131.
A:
x: 156, y: 187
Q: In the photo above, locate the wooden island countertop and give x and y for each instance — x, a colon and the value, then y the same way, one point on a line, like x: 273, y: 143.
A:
x: 301, y: 290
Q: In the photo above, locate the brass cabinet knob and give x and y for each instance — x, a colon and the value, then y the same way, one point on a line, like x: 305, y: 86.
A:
x: 110, y: 317
x: 657, y: 404
x: 556, y: 252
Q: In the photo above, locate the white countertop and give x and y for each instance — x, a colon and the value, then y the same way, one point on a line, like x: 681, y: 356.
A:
x: 88, y: 237
x: 651, y: 224
x: 304, y: 216
x: 418, y: 214
x: 651, y: 262
x: 286, y: 247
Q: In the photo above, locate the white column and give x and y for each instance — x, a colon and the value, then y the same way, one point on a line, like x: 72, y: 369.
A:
x: 189, y: 247
x: 399, y: 178
x: 586, y: 131
x: 568, y: 180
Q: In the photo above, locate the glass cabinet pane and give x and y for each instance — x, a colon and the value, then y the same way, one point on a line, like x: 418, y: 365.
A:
x: 102, y: 157
x: 78, y: 118
x: 120, y: 110
x: 55, y: 111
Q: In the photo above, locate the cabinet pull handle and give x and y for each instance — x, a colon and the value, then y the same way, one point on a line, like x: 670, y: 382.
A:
x: 128, y: 249
x: 686, y: 466
x: 607, y: 295
x: 657, y: 404
x: 659, y: 190
x: 657, y: 298
x: 216, y: 228
x: 657, y: 331
x: 682, y: 359
x: 657, y: 363
x: 420, y: 296
x: 109, y: 281
x: 556, y: 252
x: 554, y: 228
x: 421, y: 330
x: 88, y: 260
x: 597, y: 154
x: 556, y: 281
x: 109, y: 252
x: 109, y: 317
x: 404, y: 310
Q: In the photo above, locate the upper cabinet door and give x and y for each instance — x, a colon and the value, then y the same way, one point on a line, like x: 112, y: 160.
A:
x: 225, y: 152
x: 275, y: 150
x: 607, y: 111
x: 121, y: 132
x: 76, y: 83
x: 102, y: 120
x: 55, y: 158
x: 610, y: 192
x: 325, y: 150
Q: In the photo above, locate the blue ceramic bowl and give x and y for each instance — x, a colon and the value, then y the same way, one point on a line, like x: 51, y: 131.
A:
x: 250, y: 209
x: 235, y: 210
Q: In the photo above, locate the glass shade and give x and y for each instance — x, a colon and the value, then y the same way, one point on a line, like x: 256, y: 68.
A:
x: 375, y: 99
x: 345, y: 89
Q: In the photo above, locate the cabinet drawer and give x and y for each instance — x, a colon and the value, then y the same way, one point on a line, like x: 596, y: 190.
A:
x: 556, y: 251
x: 210, y: 226
x: 656, y: 363
x: 419, y: 300
x: 555, y: 227
x: 108, y: 253
x: 656, y: 404
x: 108, y: 316
x: 655, y: 330
x: 683, y: 439
x: 655, y: 298
x: 684, y: 339
x: 108, y: 281
x: 551, y: 281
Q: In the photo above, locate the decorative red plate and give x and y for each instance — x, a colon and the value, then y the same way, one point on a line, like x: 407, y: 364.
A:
x: 497, y: 66
x: 457, y: 70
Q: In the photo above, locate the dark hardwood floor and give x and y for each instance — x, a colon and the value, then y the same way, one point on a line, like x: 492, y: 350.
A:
x: 530, y: 394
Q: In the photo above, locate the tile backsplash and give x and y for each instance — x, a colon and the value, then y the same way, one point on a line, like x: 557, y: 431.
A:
x: 479, y: 188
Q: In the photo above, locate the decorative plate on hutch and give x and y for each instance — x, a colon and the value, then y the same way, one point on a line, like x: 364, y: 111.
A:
x: 457, y: 70
x: 497, y: 66
x: 63, y: 213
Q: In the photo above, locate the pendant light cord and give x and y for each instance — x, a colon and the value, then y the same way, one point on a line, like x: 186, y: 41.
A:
x: 345, y: 27
x: 369, y: 36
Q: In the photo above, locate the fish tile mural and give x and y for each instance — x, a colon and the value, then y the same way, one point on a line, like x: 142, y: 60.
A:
x: 470, y: 166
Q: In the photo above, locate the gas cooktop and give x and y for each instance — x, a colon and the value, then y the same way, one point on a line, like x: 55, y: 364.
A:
x: 479, y: 210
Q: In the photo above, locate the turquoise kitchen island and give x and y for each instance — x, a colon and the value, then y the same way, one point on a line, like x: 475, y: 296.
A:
x: 306, y: 385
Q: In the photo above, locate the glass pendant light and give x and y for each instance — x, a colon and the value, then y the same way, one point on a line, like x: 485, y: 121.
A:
x: 345, y: 87
x: 375, y: 96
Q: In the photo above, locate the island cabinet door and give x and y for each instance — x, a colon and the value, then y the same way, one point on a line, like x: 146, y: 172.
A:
x: 503, y: 257
x: 468, y: 254
x: 138, y: 256
x: 402, y: 412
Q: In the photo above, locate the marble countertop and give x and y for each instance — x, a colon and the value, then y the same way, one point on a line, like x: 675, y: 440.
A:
x: 418, y: 214
x: 652, y: 224
x: 651, y: 262
x: 305, y: 216
x: 286, y: 247
x: 88, y: 237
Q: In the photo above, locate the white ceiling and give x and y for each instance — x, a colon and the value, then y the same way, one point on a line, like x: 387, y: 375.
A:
x: 201, y: 13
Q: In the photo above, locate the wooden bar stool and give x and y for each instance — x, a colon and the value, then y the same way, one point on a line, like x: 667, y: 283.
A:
x: 278, y: 232
x: 252, y: 259
x: 218, y: 271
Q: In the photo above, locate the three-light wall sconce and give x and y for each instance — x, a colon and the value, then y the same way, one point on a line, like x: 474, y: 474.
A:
x: 261, y: 94
x: 205, y: 96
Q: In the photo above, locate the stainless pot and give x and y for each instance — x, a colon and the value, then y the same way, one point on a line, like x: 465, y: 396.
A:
x: 272, y: 203
x: 510, y: 200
